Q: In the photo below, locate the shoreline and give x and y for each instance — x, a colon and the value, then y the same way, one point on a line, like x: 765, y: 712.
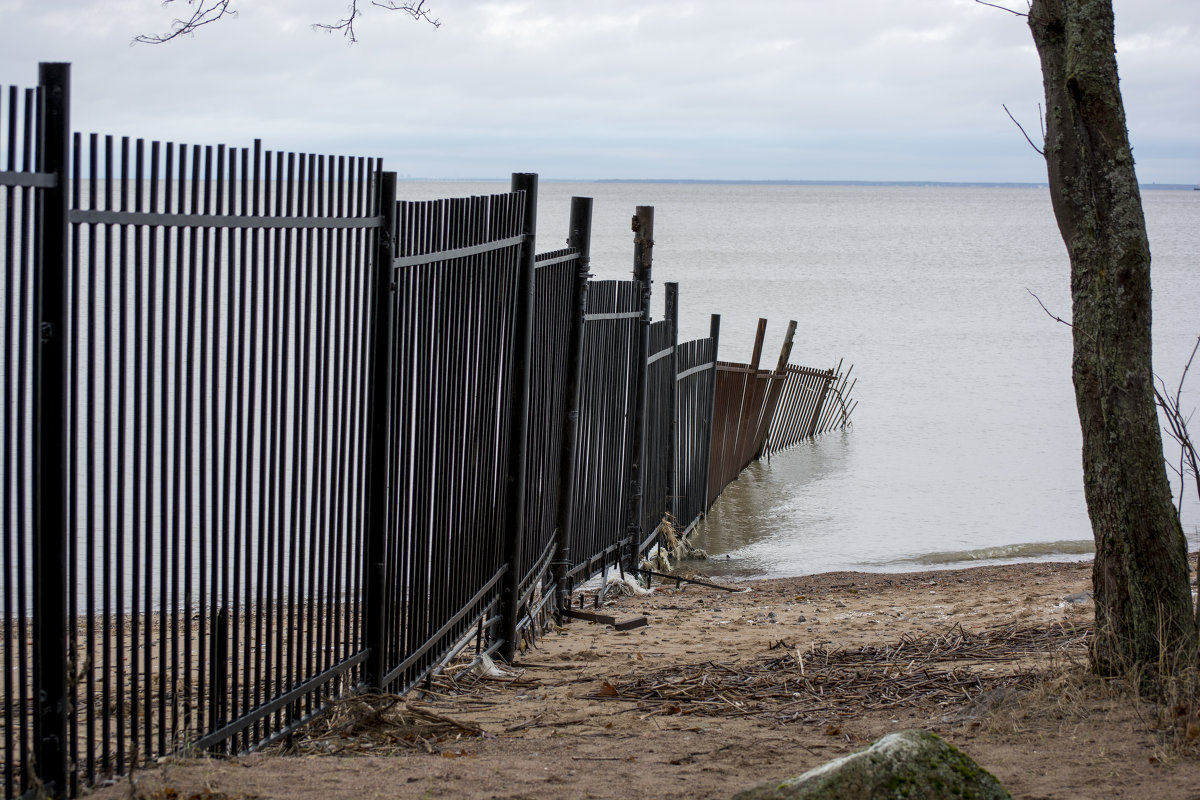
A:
x: 686, y: 707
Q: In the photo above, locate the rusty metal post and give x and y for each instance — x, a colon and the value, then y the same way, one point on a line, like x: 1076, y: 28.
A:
x: 714, y: 333
x: 671, y: 314
x: 643, y: 259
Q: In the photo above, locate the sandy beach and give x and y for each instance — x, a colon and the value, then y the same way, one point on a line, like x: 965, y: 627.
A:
x: 721, y: 690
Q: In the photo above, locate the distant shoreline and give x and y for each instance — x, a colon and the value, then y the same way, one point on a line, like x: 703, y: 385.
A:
x: 719, y: 182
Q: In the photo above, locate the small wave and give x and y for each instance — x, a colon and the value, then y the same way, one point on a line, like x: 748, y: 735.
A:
x: 1026, y: 550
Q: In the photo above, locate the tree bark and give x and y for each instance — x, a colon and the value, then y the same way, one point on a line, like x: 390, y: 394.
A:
x: 1144, y: 617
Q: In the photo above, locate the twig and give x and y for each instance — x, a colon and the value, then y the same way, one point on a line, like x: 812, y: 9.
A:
x: 1048, y: 312
x: 1177, y: 428
x: 415, y: 10
x: 1002, y: 8
x: 433, y: 716
x: 205, y: 13
x: 1021, y: 127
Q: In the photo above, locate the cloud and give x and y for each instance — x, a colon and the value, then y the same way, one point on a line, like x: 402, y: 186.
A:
x: 765, y: 89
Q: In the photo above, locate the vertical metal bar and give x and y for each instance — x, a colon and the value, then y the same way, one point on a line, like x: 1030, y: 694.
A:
x: 12, y: 536
x: 379, y: 435
x: 124, y: 489
x: 180, y: 469
x: 643, y: 259
x: 26, y: 337
x: 580, y: 238
x: 89, y: 547
x: 714, y: 333
x: 514, y: 523
x: 308, y: 600
x: 156, y: 422
x: 111, y: 369
x: 50, y: 415
x: 816, y: 414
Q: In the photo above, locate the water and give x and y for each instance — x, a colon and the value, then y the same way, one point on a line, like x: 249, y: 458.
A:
x: 966, y: 447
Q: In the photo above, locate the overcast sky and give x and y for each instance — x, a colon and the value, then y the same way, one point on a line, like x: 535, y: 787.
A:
x: 577, y: 89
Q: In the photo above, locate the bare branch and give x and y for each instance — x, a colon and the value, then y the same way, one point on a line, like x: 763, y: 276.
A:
x: 1043, y: 305
x: 1171, y: 406
x: 204, y: 13
x: 1187, y: 366
x: 415, y: 10
x: 346, y: 26
x: 1002, y: 8
x: 1039, y: 150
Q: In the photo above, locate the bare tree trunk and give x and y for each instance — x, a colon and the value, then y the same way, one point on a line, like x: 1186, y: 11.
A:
x: 1143, y: 603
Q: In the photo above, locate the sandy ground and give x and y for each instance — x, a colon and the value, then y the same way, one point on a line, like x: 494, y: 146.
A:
x: 721, y: 690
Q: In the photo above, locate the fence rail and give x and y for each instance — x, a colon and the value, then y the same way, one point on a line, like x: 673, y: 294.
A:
x: 271, y: 437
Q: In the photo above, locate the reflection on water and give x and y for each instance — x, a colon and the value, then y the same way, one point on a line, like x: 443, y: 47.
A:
x: 775, y: 518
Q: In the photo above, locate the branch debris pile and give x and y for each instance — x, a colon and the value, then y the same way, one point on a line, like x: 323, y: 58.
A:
x: 804, y: 684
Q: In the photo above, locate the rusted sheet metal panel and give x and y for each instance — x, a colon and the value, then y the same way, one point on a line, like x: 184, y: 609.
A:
x: 758, y: 412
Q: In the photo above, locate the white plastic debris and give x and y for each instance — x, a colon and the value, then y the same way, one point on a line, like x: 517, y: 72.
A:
x: 626, y: 584
x: 485, y: 666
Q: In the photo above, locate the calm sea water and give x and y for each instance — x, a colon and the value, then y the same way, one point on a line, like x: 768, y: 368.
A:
x: 965, y: 447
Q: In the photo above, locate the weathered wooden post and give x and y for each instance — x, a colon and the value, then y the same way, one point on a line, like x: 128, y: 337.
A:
x: 643, y: 258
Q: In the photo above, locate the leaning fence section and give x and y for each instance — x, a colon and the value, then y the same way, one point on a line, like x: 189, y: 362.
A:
x: 658, y: 485
x: 744, y: 400
x: 550, y: 362
x: 757, y: 412
x: 456, y: 279
x: 813, y: 402
x: 607, y: 400
x: 695, y: 380
x: 20, y: 187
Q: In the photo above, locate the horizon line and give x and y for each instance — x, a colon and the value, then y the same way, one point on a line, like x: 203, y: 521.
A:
x: 792, y: 182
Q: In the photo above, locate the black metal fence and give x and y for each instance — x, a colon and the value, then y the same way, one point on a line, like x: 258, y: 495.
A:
x: 271, y: 437
x: 22, y: 186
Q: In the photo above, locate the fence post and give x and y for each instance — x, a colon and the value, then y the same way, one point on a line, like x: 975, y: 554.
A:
x: 379, y: 437
x: 643, y: 258
x: 714, y: 333
x: 671, y: 314
x: 50, y: 414
x: 775, y: 389
x: 518, y: 423
x: 580, y: 238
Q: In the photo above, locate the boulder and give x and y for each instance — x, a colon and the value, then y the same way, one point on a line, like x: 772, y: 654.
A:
x: 907, y: 764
